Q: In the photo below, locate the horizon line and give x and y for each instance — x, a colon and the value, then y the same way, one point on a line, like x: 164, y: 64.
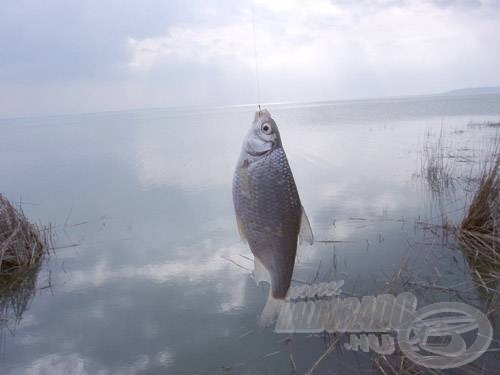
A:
x: 208, y: 107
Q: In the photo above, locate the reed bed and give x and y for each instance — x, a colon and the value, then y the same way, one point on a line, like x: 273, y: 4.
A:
x: 22, y: 244
x: 22, y: 249
x: 479, y: 232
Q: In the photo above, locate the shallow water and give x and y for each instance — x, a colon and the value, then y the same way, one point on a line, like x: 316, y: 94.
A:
x: 151, y: 276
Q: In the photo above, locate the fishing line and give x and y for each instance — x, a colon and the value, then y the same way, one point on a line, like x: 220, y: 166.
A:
x: 256, y: 60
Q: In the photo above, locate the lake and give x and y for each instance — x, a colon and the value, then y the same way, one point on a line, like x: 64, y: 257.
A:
x: 149, y: 274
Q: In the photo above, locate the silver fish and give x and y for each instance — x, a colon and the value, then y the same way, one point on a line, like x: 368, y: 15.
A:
x: 269, y: 213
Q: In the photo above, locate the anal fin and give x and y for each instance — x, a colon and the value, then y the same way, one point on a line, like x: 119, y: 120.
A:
x: 260, y: 272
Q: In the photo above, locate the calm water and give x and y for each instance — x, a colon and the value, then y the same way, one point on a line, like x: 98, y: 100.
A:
x: 151, y: 276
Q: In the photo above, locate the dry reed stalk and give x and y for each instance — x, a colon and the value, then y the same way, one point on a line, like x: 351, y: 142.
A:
x: 436, y: 167
x: 479, y: 232
x: 22, y: 244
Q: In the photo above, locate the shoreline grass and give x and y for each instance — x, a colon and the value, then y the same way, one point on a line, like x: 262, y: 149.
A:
x: 22, y: 243
x: 479, y: 232
x: 436, y: 168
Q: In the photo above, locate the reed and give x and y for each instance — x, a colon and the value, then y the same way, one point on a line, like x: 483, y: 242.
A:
x: 22, y: 244
x: 436, y: 167
x: 479, y: 232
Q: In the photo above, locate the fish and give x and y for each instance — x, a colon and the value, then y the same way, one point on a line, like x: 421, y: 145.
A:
x: 268, y: 210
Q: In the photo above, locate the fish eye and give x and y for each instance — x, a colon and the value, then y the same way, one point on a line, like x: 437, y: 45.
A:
x: 266, y: 128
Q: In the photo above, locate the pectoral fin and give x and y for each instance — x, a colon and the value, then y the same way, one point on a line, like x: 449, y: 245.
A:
x: 305, y: 233
x: 241, y: 230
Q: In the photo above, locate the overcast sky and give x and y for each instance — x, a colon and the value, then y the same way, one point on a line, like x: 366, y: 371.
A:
x: 64, y: 56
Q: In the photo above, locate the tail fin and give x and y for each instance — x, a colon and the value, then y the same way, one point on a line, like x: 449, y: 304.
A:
x: 270, y: 312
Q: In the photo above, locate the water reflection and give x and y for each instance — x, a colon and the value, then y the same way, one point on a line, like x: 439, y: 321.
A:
x: 159, y: 275
x: 16, y: 291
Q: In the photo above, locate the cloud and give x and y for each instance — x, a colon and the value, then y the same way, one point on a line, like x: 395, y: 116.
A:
x: 315, y: 40
x: 57, y: 364
x: 76, y: 364
x: 190, y: 271
x: 60, y: 41
x: 65, y: 56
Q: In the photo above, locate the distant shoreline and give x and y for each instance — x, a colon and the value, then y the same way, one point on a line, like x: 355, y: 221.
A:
x: 475, y: 91
x: 214, y: 108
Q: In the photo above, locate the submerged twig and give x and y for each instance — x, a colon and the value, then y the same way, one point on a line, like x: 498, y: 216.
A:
x: 323, y: 356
